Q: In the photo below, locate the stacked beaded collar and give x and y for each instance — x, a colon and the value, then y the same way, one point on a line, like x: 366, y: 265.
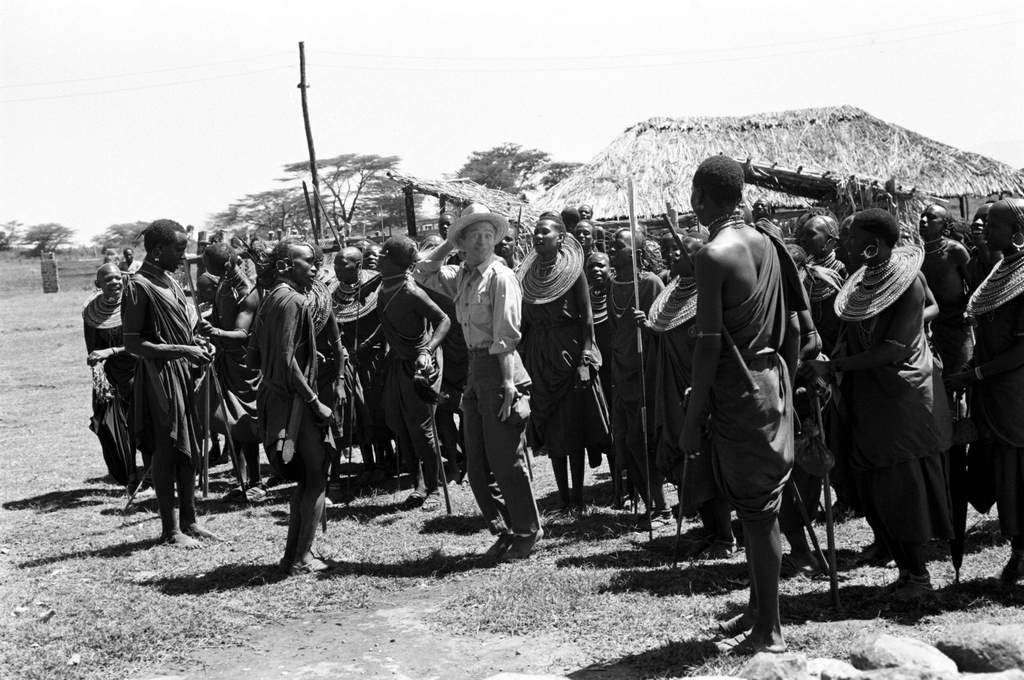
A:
x: 319, y: 300
x: 347, y: 305
x: 871, y: 290
x: 824, y: 278
x: 1004, y: 282
x: 674, y: 306
x: 99, y: 312
x: 543, y: 283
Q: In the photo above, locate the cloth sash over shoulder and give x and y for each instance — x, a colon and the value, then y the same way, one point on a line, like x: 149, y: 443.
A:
x: 164, y: 389
x: 752, y: 432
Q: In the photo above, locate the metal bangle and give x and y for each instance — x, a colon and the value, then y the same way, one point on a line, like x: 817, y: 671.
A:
x: 977, y: 373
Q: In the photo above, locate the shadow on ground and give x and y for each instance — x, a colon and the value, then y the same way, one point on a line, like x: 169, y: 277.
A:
x: 680, y: 656
x: 67, y: 500
x: 119, y: 550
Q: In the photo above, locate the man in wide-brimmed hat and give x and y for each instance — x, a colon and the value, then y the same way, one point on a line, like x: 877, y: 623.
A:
x: 488, y: 305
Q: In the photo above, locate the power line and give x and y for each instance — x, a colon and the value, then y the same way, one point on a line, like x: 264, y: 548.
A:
x: 731, y: 48
x: 141, y: 73
x: 144, y: 87
x: 621, y: 67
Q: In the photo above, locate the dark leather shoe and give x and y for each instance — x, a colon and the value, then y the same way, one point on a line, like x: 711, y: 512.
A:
x: 522, y: 546
x: 499, y: 548
x: 1013, y: 570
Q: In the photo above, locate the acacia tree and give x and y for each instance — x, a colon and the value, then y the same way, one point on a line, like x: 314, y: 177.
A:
x: 354, y: 183
x: 9, y: 234
x: 118, y: 235
x: 278, y: 210
x: 555, y: 172
x: 44, y: 238
x: 508, y: 167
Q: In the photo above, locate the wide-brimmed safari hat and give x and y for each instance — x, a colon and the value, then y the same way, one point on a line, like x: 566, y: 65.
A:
x: 478, y: 212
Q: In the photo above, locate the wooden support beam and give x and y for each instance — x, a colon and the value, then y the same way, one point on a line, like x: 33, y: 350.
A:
x: 410, y: 211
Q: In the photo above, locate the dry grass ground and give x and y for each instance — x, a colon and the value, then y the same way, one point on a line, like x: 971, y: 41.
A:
x: 125, y: 607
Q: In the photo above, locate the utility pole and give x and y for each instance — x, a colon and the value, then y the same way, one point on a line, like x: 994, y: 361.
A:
x: 309, y: 141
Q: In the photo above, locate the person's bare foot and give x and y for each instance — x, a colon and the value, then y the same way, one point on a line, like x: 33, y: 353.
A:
x: 737, y: 625
x: 310, y: 566
x: 744, y: 645
x: 180, y: 540
x: 198, y: 531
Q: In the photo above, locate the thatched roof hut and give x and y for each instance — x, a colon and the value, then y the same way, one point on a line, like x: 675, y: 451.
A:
x: 455, y: 194
x: 837, y: 155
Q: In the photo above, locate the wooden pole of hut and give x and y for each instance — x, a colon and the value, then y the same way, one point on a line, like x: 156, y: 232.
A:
x: 410, y: 211
x: 309, y: 138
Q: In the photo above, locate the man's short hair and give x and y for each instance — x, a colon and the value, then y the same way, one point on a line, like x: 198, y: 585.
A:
x: 831, y: 223
x: 161, y: 233
x: 283, y: 250
x: 554, y: 218
x: 721, y: 178
x: 218, y: 254
x: 879, y: 222
x: 401, y: 250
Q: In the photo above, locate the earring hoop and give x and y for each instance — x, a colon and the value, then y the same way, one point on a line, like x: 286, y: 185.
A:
x: 1018, y: 240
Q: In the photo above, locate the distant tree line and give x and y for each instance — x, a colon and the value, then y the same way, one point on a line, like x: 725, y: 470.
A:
x: 355, y: 196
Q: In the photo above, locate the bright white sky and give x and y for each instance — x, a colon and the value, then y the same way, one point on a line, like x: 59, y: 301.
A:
x: 122, y: 110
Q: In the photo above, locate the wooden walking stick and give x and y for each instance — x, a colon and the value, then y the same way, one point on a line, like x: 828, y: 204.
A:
x: 679, y: 494
x: 142, y: 480
x: 441, y: 470
x: 634, y: 231
x: 211, y: 378
x: 830, y: 527
x: 799, y: 502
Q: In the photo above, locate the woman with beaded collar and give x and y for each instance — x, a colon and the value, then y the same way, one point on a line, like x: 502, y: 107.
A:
x: 996, y: 376
x: 893, y: 410
x: 560, y: 354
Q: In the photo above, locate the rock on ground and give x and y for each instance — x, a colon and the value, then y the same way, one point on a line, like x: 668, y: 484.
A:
x: 875, y: 651
x: 984, y: 648
x: 1013, y: 674
x: 908, y: 673
x: 767, y: 666
x: 832, y: 669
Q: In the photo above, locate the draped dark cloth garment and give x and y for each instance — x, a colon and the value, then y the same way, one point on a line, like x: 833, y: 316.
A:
x: 239, y: 382
x: 996, y: 463
x: 897, y: 421
x: 670, y: 372
x: 164, y: 402
x: 752, y: 432
x: 551, y: 347
x: 111, y: 410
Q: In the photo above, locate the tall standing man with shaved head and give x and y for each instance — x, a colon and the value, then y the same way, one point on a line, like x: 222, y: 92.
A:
x: 158, y: 329
x: 294, y: 419
x: 748, y: 293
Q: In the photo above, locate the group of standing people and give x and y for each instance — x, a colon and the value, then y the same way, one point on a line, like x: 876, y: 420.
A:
x: 700, y: 363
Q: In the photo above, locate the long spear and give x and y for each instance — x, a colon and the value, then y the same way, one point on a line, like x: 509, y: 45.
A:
x: 634, y: 231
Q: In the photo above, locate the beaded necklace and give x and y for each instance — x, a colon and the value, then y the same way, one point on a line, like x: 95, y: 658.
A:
x: 546, y: 282
x: 872, y: 289
x: 1003, y: 283
x: 674, y: 306
x: 99, y: 312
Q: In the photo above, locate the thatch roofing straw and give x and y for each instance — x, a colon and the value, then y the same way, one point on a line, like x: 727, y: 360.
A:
x: 458, y: 193
x: 661, y: 154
